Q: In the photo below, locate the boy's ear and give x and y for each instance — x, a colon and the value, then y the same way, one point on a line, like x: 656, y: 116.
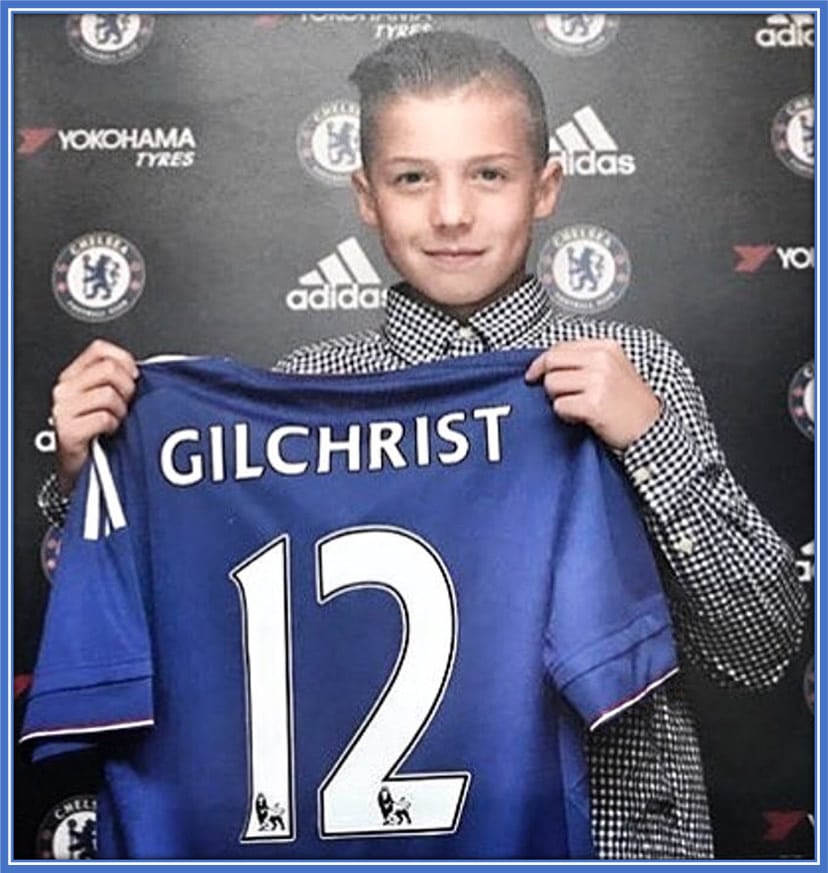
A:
x: 364, y: 196
x: 547, y: 188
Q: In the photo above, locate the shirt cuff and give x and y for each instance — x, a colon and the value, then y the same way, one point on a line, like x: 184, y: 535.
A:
x: 662, y: 463
x: 53, y: 504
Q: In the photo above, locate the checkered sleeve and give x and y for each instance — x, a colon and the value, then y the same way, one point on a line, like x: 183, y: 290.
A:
x: 53, y: 504
x: 737, y: 603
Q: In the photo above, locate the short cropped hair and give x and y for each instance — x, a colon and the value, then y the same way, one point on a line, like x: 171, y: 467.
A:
x: 442, y: 61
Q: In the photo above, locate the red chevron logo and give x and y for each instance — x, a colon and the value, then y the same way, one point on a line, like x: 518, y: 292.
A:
x: 32, y: 139
x: 781, y: 823
x: 751, y: 258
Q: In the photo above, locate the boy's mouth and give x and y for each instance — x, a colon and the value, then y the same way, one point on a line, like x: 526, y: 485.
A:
x: 454, y: 257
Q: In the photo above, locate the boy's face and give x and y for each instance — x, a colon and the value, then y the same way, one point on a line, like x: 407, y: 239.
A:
x: 453, y: 189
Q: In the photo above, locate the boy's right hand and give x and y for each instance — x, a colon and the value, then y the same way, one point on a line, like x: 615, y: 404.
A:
x: 90, y: 398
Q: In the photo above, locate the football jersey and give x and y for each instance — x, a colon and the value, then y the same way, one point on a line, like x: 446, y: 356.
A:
x: 340, y: 617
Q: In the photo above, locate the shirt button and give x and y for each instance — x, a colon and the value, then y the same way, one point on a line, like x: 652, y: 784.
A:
x: 465, y: 332
x: 642, y: 475
x: 685, y: 545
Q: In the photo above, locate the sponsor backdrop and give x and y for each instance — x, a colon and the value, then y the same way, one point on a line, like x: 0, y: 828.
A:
x: 182, y: 186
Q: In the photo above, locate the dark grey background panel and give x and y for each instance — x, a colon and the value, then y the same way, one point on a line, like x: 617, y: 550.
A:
x: 186, y: 144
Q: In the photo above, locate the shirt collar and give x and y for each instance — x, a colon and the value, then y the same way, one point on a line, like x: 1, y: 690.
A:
x: 419, y: 332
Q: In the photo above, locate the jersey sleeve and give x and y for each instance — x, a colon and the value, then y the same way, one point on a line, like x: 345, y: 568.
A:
x: 609, y: 638
x: 94, y: 668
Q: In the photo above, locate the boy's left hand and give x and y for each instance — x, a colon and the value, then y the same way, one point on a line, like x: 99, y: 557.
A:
x: 592, y: 382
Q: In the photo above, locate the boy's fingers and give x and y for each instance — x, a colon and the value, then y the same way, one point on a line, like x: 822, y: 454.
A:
x: 537, y: 368
x: 97, y: 350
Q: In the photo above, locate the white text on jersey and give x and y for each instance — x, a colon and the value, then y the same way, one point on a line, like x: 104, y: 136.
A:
x: 191, y: 455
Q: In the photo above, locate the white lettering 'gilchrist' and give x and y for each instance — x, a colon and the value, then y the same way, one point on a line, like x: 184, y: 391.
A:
x: 191, y: 455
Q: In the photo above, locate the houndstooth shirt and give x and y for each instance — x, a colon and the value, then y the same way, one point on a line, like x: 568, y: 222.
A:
x: 736, y: 602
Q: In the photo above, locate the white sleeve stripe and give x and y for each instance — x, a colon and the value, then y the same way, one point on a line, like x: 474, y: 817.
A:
x: 114, y: 510
x: 170, y: 358
x: 97, y: 729
x: 92, y: 513
x: 616, y: 710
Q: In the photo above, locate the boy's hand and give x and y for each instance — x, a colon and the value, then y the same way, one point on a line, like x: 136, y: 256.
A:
x: 90, y: 398
x: 592, y: 382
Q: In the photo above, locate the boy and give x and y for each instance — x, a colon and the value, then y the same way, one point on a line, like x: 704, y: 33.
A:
x: 455, y: 171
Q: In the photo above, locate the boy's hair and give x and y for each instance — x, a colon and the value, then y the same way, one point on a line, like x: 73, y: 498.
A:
x: 441, y: 61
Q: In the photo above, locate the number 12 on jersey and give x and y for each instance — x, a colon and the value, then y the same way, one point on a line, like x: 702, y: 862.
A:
x: 363, y: 794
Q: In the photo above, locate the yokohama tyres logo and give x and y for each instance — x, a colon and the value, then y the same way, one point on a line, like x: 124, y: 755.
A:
x: 751, y: 258
x: 152, y: 147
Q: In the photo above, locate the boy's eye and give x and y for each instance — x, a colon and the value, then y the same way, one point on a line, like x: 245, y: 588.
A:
x: 409, y: 177
x: 491, y: 174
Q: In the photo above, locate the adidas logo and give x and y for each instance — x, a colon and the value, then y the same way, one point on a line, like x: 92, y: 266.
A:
x: 585, y: 148
x: 345, y: 279
x: 805, y: 563
x: 787, y: 31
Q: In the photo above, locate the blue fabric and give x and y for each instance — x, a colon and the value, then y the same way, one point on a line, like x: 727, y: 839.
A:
x: 558, y: 610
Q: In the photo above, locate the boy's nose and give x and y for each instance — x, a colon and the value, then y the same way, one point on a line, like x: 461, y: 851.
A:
x: 452, y: 205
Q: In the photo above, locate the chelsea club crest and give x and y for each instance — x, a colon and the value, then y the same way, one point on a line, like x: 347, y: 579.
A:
x: 50, y: 551
x: 110, y: 38
x: 68, y: 830
x: 575, y: 34
x: 792, y: 135
x: 808, y: 685
x: 584, y: 268
x: 328, y: 142
x: 801, y: 399
x: 98, y: 276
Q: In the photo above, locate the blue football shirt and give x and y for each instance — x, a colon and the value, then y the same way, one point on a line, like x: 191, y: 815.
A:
x: 346, y: 617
